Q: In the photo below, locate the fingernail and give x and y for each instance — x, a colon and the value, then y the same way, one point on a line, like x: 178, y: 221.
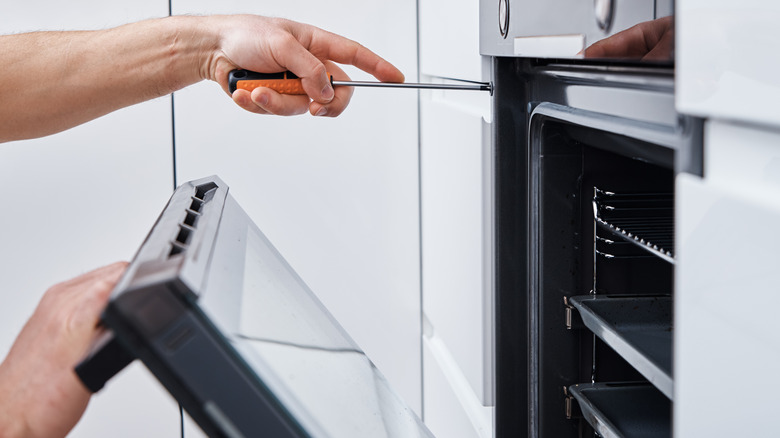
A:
x: 263, y: 100
x: 322, y: 111
x: 327, y: 93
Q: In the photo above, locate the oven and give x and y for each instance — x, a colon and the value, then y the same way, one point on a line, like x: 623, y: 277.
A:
x: 585, y: 246
x: 586, y: 154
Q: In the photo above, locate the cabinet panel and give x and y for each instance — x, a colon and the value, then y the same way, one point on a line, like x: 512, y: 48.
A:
x: 338, y: 197
x: 456, y: 233
x: 726, y: 284
x: 725, y: 59
x: 451, y: 407
x: 725, y: 340
x: 449, y: 39
x: 82, y: 199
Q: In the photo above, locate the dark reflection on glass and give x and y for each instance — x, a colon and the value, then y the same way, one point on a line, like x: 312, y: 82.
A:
x: 647, y: 41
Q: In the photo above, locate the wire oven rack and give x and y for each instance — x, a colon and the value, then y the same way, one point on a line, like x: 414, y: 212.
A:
x: 644, y: 219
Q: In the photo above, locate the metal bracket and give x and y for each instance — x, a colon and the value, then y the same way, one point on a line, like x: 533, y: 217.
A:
x: 571, y: 407
x: 573, y: 319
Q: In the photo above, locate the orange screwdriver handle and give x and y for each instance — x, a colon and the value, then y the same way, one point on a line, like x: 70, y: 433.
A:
x: 283, y: 83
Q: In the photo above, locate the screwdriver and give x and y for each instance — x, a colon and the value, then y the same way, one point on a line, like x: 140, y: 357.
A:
x: 287, y: 83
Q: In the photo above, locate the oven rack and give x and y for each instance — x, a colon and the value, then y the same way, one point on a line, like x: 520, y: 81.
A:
x: 639, y: 328
x: 644, y: 219
x: 624, y: 410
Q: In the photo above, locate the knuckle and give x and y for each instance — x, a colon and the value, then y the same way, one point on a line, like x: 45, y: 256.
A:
x: 283, y: 40
x: 319, y: 70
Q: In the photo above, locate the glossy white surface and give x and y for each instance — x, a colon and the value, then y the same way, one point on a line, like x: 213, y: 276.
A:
x: 452, y: 409
x: 726, y: 348
x: 337, y: 197
x: 449, y: 39
x: 82, y: 199
x: 456, y: 230
x: 549, y: 46
x: 726, y: 59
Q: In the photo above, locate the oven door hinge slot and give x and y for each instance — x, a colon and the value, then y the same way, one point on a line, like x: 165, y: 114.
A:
x: 571, y: 407
x: 573, y: 319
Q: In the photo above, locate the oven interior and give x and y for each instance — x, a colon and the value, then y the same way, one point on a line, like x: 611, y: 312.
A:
x: 603, y: 283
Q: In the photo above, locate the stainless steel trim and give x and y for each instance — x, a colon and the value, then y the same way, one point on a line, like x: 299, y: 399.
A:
x: 604, y: 11
x: 662, y: 135
x: 503, y: 17
x: 475, y: 87
x: 488, y: 262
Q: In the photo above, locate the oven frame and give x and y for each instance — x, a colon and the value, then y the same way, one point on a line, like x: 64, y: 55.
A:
x: 530, y: 93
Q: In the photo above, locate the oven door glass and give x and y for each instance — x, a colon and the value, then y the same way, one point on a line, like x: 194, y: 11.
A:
x: 296, y: 348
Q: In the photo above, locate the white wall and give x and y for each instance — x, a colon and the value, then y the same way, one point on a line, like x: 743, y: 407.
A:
x: 81, y: 199
x: 339, y: 197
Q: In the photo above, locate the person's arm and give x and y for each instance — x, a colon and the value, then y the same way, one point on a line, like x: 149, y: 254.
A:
x: 40, y: 394
x: 51, y: 81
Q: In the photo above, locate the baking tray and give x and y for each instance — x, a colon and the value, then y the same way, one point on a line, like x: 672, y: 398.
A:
x: 639, y: 328
x: 624, y: 410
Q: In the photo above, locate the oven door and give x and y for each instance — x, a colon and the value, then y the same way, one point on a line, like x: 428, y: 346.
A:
x: 227, y: 326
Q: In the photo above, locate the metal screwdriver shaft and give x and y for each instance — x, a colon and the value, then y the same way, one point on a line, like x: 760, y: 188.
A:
x: 477, y: 86
x: 288, y: 83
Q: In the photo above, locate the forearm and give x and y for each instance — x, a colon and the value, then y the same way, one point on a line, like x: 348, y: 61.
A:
x: 51, y: 81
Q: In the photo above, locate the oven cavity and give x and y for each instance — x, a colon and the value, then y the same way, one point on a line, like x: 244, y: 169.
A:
x: 602, y: 262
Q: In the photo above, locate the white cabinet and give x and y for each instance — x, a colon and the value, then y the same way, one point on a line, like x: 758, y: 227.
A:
x: 456, y: 219
x: 727, y: 59
x: 449, y: 39
x: 82, y: 199
x: 337, y: 197
x: 456, y: 231
x: 726, y: 349
x: 452, y: 410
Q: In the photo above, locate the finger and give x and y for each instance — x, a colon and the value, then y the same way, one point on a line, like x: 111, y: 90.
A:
x: 292, y: 55
x: 243, y: 98
x: 341, y: 98
x: 327, y: 45
x: 279, y: 104
x: 109, y: 271
x: 93, y: 296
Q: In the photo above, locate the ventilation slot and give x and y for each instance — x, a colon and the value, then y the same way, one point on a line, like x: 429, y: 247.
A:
x: 204, y: 192
x: 191, y: 219
x: 184, y: 235
x: 188, y: 225
x: 196, y: 205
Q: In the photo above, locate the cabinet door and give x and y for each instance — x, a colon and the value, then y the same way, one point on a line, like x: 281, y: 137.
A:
x: 726, y: 59
x: 449, y: 39
x: 451, y: 408
x: 337, y: 197
x: 726, y: 348
x: 82, y: 199
x: 456, y: 181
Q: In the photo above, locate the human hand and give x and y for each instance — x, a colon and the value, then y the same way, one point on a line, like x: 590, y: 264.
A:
x: 40, y: 394
x: 271, y: 45
x: 648, y: 41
